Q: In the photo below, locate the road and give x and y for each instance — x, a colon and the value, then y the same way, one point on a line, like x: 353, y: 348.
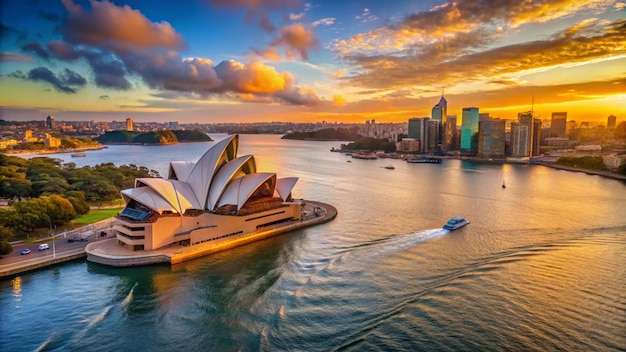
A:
x: 62, y: 249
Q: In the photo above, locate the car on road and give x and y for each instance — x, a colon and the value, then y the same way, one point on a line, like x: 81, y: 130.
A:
x: 43, y: 246
x: 25, y: 251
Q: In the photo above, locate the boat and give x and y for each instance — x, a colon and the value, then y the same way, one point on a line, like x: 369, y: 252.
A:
x: 78, y: 154
x: 455, y: 223
x: 503, y: 185
x: 424, y: 160
x: 389, y: 167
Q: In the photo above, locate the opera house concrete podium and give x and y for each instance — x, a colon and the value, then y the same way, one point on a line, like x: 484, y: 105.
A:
x: 211, y: 205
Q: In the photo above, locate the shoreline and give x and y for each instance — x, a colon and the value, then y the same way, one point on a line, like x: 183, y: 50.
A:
x: 46, y: 152
x: 109, y: 253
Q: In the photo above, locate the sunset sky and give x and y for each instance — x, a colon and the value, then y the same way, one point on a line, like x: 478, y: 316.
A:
x: 213, y: 61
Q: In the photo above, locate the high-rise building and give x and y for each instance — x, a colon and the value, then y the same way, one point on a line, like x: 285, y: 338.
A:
x: 129, y: 124
x: 610, y: 122
x: 536, y: 138
x: 440, y: 111
x: 469, y: 127
x: 50, y: 121
x: 521, y: 134
x: 434, y: 127
x: 450, y: 140
x: 558, y: 124
x: 418, y: 130
x: 491, y: 139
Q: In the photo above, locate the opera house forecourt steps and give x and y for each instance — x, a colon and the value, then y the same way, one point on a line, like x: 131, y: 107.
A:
x: 203, y: 207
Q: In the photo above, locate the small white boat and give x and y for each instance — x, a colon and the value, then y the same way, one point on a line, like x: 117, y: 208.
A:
x: 455, y: 223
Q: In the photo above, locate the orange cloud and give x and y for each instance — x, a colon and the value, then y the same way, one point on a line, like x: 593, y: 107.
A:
x: 339, y: 101
x: 445, y: 63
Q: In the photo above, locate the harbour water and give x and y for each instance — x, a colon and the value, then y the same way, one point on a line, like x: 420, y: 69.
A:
x: 542, y: 266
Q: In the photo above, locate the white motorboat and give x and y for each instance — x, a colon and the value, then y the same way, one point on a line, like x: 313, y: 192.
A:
x: 455, y: 223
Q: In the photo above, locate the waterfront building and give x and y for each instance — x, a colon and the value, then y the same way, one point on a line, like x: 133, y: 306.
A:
x: 408, y: 145
x: 536, y: 138
x: 434, y: 129
x: 521, y: 134
x: 418, y: 130
x: 450, y: 139
x: 558, y: 124
x: 469, y: 127
x: 129, y: 124
x: 491, y: 139
x: 50, y: 141
x: 213, y: 200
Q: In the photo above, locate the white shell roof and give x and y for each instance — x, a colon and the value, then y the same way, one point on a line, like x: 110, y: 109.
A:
x: 148, y: 197
x: 202, y: 174
x: 217, y: 179
x: 241, y: 166
x: 284, y: 186
x: 241, y: 189
x: 180, y: 169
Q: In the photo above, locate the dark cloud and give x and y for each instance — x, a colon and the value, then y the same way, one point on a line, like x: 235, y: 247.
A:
x: 36, y: 48
x: 104, y: 97
x: 119, y: 29
x: 66, y: 81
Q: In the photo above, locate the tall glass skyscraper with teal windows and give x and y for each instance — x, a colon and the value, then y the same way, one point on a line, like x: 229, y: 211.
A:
x: 469, y: 127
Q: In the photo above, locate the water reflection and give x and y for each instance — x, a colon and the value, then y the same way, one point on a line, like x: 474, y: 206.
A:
x: 16, y: 283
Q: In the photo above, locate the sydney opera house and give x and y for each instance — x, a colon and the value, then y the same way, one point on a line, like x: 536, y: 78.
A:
x: 216, y: 199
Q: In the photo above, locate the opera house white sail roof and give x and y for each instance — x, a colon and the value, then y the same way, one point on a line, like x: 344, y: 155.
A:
x: 219, y: 178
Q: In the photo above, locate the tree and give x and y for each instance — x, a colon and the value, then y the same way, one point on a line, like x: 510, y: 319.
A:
x: 77, y: 199
x: 5, y: 235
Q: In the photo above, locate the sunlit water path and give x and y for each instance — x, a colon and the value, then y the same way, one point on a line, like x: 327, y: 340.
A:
x: 542, y: 266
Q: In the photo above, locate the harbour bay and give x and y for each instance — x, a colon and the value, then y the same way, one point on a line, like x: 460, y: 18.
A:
x: 540, y: 267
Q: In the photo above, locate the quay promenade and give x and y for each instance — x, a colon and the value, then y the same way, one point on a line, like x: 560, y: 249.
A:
x: 109, y: 253
x: 105, y: 250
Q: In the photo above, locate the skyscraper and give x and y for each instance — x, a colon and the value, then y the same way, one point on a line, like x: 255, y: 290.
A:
x: 536, y: 138
x: 129, y: 124
x: 50, y: 121
x: 469, y: 127
x: 558, y: 123
x: 610, y: 122
x: 491, y: 139
x: 418, y: 130
x: 450, y: 140
x: 521, y: 134
x: 440, y: 111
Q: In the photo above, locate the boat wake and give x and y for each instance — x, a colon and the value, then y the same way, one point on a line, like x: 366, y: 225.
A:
x: 129, y: 297
x: 402, y: 242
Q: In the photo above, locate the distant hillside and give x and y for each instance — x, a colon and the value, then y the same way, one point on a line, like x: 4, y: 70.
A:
x: 158, y: 137
x: 327, y: 134
x: 191, y: 136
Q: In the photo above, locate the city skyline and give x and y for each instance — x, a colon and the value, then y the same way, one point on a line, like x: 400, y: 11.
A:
x: 218, y: 61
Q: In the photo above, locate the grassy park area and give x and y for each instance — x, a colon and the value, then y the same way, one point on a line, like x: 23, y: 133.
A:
x: 95, y: 215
